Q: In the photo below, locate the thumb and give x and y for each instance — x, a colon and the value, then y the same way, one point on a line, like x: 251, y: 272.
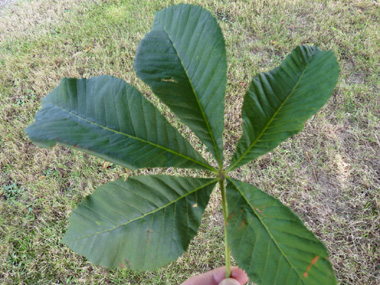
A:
x: 229, y: 281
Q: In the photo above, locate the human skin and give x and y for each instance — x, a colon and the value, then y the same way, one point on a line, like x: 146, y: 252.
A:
x: 216, y: 276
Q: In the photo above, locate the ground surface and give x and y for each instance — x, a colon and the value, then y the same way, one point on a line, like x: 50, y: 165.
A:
x: 5, y: 2
x: 329, y: 174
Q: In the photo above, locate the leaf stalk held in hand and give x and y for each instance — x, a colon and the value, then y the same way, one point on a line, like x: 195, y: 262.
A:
x: 225, y: 216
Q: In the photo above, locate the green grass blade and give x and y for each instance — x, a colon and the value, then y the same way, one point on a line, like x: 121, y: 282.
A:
x: 109, y: 118
x: 183, y: 60
x: 280, y: 249
x: 142, y: 223
x: 279, y: 102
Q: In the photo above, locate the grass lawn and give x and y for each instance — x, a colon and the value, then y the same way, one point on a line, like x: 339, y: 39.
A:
x: 329, y: 174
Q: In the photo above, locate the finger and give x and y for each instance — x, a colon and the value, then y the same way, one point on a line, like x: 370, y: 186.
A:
x: 213, y: 277
x: 239, y: 275
x: 229, y: 281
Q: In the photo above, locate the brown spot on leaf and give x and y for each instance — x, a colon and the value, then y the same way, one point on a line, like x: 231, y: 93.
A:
x: 75, y: 145
x: 229, y: 217
x: 148, y: 240
x: 242, y: 225
x: 313, y: 261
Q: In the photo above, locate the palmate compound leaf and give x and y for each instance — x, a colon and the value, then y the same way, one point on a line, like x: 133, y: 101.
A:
x: 147, y: 221
x: 270, y: 242
x: 107, y: 117
x: 279, y: 102
x: 183, y: 60
x: 142, y: 223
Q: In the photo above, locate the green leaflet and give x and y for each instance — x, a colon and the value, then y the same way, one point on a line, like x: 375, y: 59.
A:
x: 109, y: 118
x: 279, y: 102
x: 142, y: 223
x: 183, y: 60
x: 270, y: 242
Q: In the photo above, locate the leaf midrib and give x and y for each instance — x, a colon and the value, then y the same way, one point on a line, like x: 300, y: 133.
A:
x: 150, y: 213
x: 271, y: 119
x: 266, y: 228
x: 133, y: 137
x: 195, y: 95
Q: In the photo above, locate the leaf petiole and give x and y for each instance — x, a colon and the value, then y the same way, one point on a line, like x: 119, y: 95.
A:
x: 225, y: 216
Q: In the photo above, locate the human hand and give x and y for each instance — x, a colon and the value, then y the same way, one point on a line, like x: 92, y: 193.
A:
x: 217, y: 277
